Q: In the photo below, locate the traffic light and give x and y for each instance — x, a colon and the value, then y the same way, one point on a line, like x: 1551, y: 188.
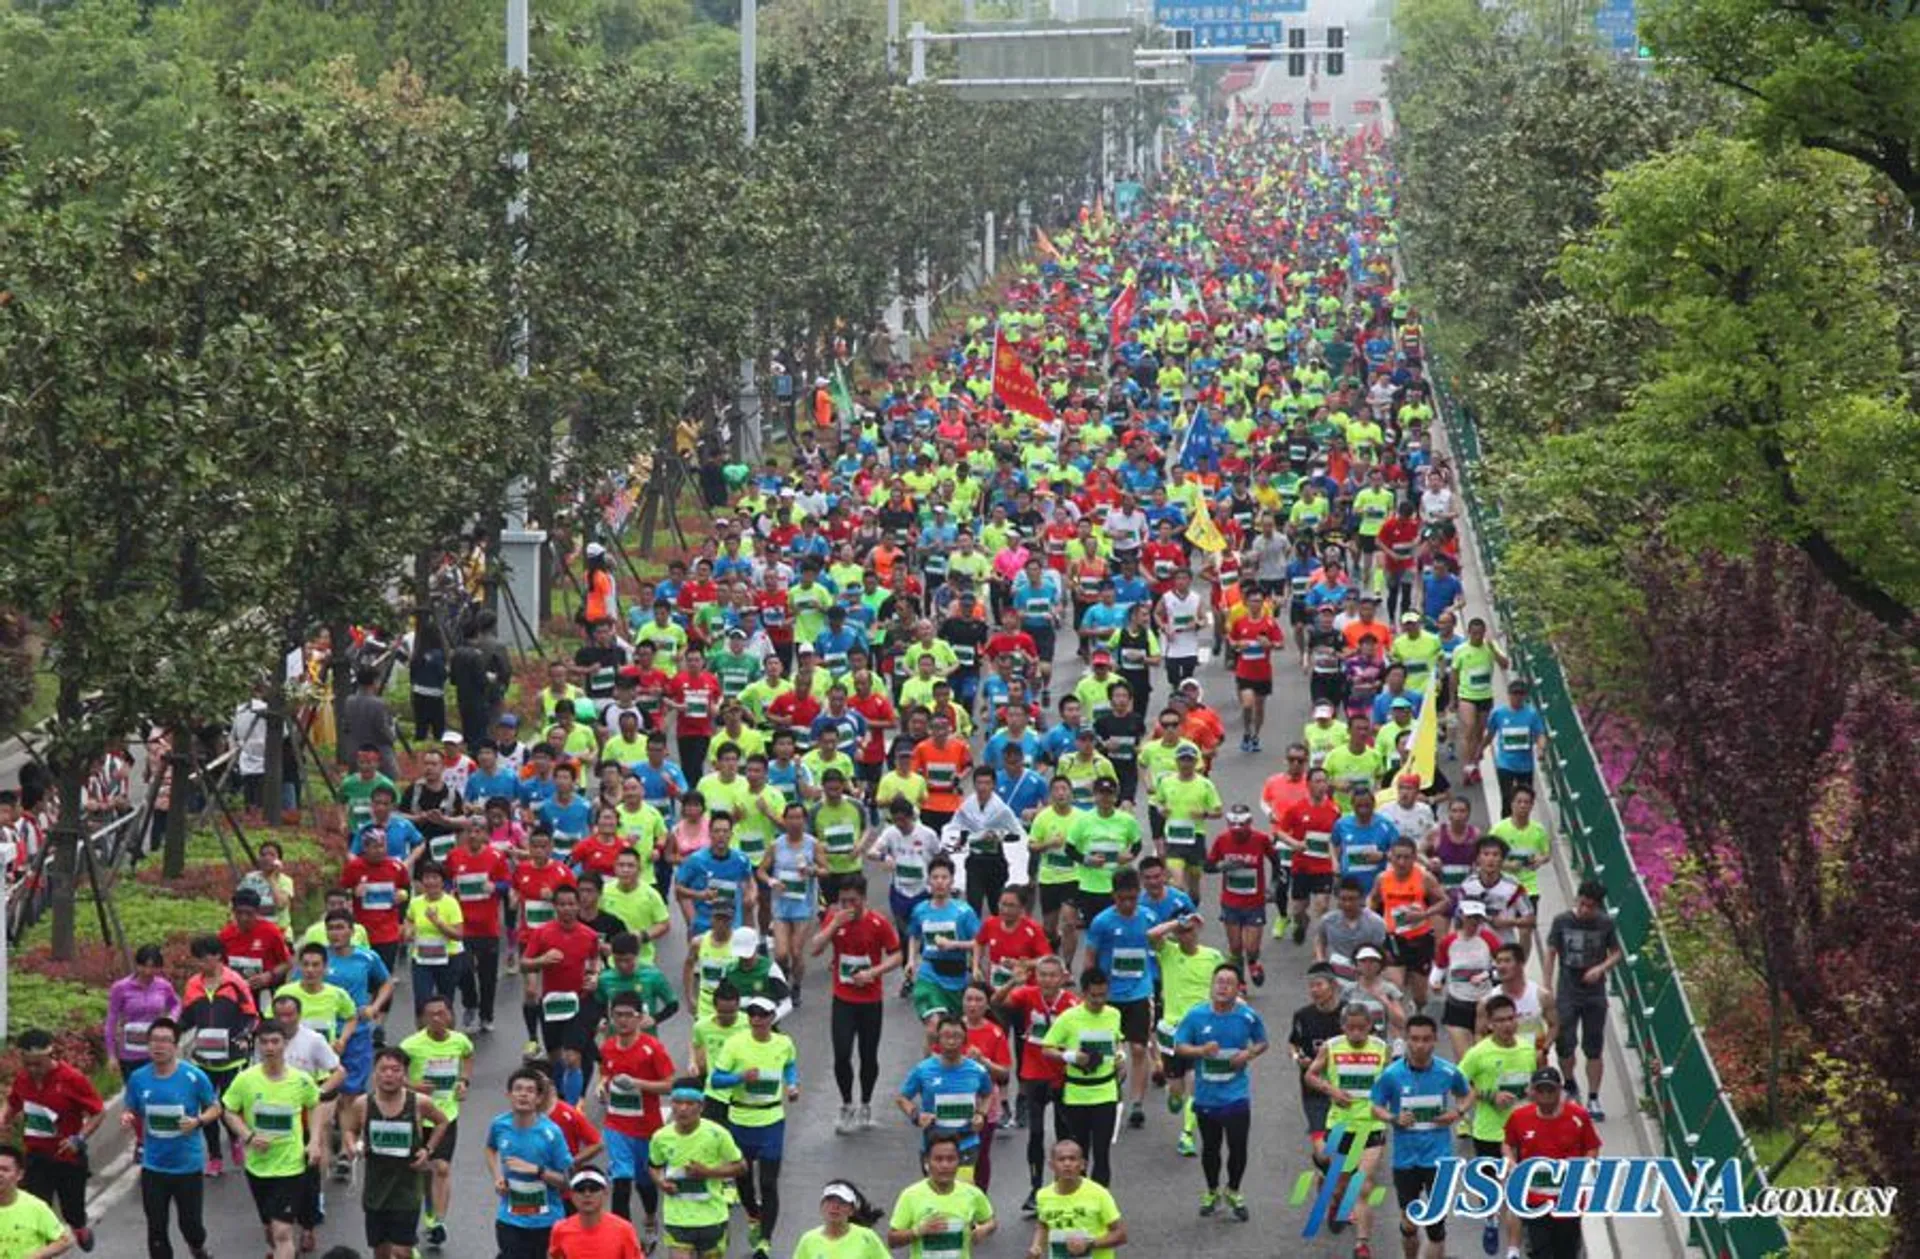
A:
x: 1336, y: 46
x: 1297, y: 60
x: 1183, y: 38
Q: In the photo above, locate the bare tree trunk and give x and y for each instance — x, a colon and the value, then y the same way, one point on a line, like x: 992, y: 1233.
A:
x: 173, y: 860
x: 69, y: 832
x: 340, y: 670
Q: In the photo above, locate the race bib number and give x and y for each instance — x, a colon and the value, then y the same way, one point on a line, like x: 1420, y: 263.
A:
x: 839, y: 840
x: 472, y: 887
x: 274, y: 1120
x: 377, y: 896
x: 624, y: 1102
x: 133, y: 1038
x: 539, y: 913
x: 212, y: 1044
x: 526, y: 1197
x: 165, y: 1121
x: 953, y: 1110
x: 559, y: 1007
x: 393, y: 1138
x: 41, y: 1122
x: 430, y: 951
x: 1243, y: 881
x: 851, y: 964
x: 1129, y: 963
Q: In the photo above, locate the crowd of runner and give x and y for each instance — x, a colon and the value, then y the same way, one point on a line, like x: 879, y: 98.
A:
x: 846, y: 754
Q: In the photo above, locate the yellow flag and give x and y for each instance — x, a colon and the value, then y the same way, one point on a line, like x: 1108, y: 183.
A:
x: 1421, y: 746
x: 1203, y: 533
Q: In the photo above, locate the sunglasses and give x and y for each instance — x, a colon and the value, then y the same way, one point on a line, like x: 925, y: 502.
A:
x: 589, y: 1188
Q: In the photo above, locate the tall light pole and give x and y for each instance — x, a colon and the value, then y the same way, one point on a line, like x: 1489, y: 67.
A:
x: 751, y: 438
x: 520, y: 545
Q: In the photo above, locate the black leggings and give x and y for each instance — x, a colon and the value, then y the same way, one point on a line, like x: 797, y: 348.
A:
x: 761, y: 1202
x: 162, y: 1192
x: 480, y: 980
x: 1231, y: 1123
x: 62, y: 1186
x: 856, y: 1021
x: 1091, y: 1127
x: 623, y: 1197
x: 693, y: 755
x: 1039, y: 1094
x: 211, y: 1132
x: 986, y: 879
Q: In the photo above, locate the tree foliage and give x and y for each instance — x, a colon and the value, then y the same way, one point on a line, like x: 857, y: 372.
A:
x: 1839, y: 75
x: 1750, y: 419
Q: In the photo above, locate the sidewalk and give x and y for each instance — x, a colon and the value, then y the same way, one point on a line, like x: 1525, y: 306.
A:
x: 1627, y: 1131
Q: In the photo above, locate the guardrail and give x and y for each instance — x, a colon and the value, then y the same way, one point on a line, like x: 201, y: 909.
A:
x: 1677, y: 1072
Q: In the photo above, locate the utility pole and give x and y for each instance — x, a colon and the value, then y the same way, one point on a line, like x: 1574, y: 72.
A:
x: 750, y: 438
x: 893, y: 38
x: 520, y: 544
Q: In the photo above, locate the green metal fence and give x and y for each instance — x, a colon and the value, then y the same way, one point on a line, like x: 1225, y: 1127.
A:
x: 1681, y: 1086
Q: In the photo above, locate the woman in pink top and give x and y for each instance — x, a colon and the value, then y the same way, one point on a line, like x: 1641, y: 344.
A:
x: 133, y: 1003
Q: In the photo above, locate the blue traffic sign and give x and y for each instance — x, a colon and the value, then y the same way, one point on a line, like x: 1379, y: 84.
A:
x: 1618, y: 26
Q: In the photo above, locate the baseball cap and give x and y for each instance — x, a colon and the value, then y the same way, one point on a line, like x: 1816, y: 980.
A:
x: 510, y: 720
x: 595, y: 550
x: 760, y: 1005
x: 1547, y: 1077
x: 1323, y: 710
x: 1401, y: 701
x: 1366, y: 951
x: 1102, y: 657
x: 746, y: 942
x: 840, y: 1191
x: 453, y: 736
x: 1472, y: 909
x: 1409, y: 618
x: 1186, y: 752
x: 1407, y: 780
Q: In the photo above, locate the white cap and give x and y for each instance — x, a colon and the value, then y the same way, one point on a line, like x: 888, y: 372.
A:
x: 453, y: 736
x: 745, y: 942
x: 1471, y: 909
x: 595, y: 550
x: 1323, y: 710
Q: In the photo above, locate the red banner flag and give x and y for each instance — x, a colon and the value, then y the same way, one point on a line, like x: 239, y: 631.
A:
x: 1120, y: 316
x: 1014, y: 383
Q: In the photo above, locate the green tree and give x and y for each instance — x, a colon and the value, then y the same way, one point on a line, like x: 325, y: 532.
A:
x: 1750, y: 418
x: 1839, y: 75
x: 135, y: 523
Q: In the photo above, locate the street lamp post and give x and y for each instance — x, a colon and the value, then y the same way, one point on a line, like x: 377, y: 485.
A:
x: 520, y: 543
x: 751, y: 438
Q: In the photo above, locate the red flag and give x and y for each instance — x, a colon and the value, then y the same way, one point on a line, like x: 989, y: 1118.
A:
x: 1014, y: 383
x: 1120, y: 316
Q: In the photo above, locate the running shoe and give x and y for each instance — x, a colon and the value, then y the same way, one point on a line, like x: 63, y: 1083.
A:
x: 844, y: 1124
x: 83, y: 1238
x: 1027, y: 1205
x: 470, y: 1021
x: 1253, y: 744
x: 1259, y: 974
x: 437, y: 1235
x: 1594, y: 1111
x: 531, y: 1050
x: 1362, y: 1251
x: 1174, y: 1102
x: 1136, y: 1116
x: 1490, y: 1237
x: 1185, y: 1145
x: 1238, y: 1205
x: 866, y: 1118
x: 486, y: 1027
x: 216, y: 1168
x: 1209, y: 1201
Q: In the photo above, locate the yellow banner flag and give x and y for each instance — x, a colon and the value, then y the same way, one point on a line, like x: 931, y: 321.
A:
x: 1421, y: 746
x: 1203, y: 533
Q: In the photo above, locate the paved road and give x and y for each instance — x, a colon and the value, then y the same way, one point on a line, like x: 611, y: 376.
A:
x: 1157, y: 1190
